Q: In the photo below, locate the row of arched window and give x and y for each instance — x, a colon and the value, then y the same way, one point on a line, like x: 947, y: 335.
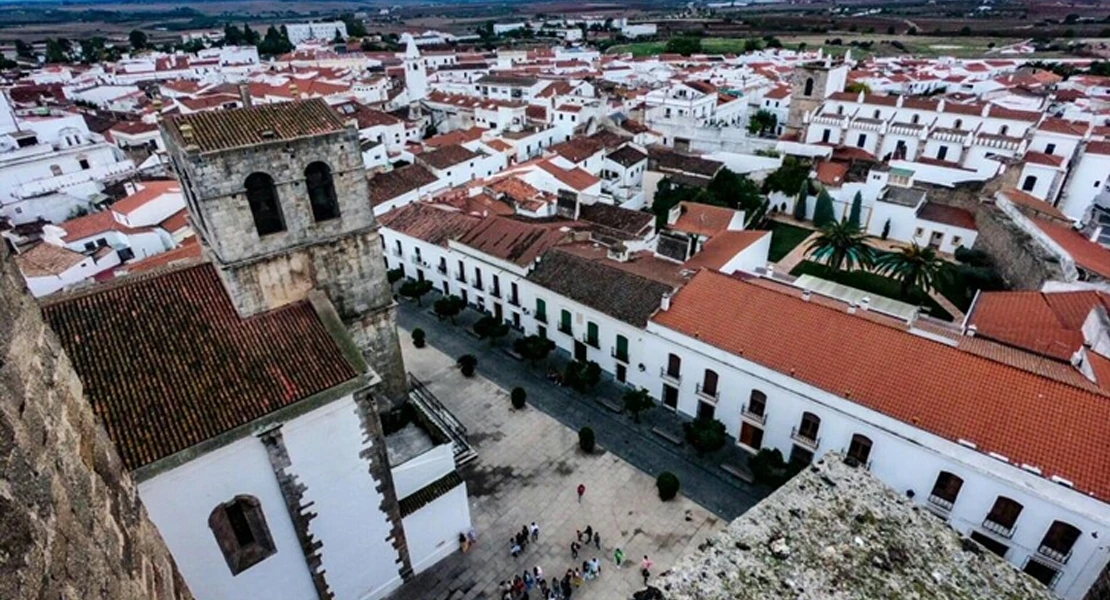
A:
x: 265, y: 206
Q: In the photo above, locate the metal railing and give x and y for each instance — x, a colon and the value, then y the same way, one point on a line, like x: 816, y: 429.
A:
x: 805, y: 440
x: 564, y: 328
x: 427, y: 402
x: 1054, y: 554
x: 675, y: 378
x: 712, y: 395
x: 941, y: 503
x: 747, y: 413
x: 476, y: 283
x: 620, y: 356
x: 998, y: 528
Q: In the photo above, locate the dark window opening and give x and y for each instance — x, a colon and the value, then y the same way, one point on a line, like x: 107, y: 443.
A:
x: 1059, y: 540
x: 809, y: 86
x: 860, y: 449
x: 321, y: 192
x: 1041, y: 572
x: 994, y: 546
x: 1003, y: 516
x: 670, y: 396
x: 263, y: 201
x: 757, y: 403
x: 1029, y: 183
x: 241, y: 533
x: 945, y: 490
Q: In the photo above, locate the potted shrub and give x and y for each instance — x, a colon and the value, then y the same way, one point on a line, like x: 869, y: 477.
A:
x: 667, y: 484
x: 518, y: 397
x: 586, y: 440
x: 467, y: 363
x: 418, y: 337
x: 705, y: 435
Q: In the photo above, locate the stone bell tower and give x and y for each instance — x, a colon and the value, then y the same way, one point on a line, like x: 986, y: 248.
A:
x: 278, y: 197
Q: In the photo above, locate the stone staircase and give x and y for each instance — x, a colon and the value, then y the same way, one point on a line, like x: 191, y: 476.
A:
x: 447, y: 422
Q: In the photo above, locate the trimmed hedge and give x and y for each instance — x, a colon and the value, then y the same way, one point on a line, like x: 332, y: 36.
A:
x: 518, y: 397
x: 667, y: 483
x: 586, y: 439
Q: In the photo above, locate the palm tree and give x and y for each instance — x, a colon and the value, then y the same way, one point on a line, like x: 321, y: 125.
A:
x: 841, y: 244
x: 916, y: 267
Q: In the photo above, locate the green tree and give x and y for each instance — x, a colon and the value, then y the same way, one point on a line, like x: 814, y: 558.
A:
x: 667, y: 485
x: 250, y: 36
x: 518, y: 397
x: 800, y: 207
x: 58, y: 50
x: 917, y: 268
x: 233, y: 36
x: 23, y: 49
x: 823, y: 212
x: 854, y: 213
x: 355, y: 27
x: 449, y: 307
x: 394, y: 275
x: 732, y: 190
x: 338, y: 39
x: 636, y: 402
x: 789, y: 178
x: 685, y: 45
x: 138, y: 40
x: 467, y: 363
x: 581, y: 376
x: 841, y: 245
x: 752, y: 45
x: 418, y: 337
x: 490, y: 328
x: 533, y: 348
x: 762, y: 122
x: 705, y: 434
x: 856, y: 87
x: 275, y: 43
x: 416, y: 290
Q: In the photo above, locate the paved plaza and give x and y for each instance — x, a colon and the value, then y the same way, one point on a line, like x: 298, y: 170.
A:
x: 528, y: 468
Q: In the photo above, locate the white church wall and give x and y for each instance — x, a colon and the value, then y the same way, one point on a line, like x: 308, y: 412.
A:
x: 432, y: 532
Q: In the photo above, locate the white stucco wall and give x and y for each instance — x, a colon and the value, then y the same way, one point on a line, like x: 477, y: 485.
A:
x: 432, y: 532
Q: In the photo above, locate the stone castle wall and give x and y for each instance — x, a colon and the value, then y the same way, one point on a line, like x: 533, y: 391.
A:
x: 72, y: 522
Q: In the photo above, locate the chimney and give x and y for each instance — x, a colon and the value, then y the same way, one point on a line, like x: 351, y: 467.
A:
x: 665, y: 302
x: 972, y: 330
x: 806, y: 294
x: 852, y: 307
x: 770, y: 271
x: 865, y: 303
x: 245, y: 95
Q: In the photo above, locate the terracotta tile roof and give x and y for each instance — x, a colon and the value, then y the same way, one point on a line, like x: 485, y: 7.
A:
x: 512, y: 240
x: 447, y: 156
x: 151, y: 190
x: 260, y: 124
x: 703, y: 219
x: 389, y: 185
x: 723, y: 247
x: 176, y: 222
x: 949, y: 215
x: 778, y: 93
x: 1098, y: 147
x: 47, y: 260
x: 133, y: 127
x: 666, y: 159
x: 429, y: 222
x: 940, y: 389
x: 832, y: 173
x: 1001, y: 112
x: 577, y: 149
x: 538, y: 113
x: 188, y: 252
x: 627, y: 156
x: 499, y: 145
x: 1040, y: 158
x: 597, y: 284
x: 1048, y: 324
x: 94, y: 224
x: 577, y: 178
x: 1087, y: 254
x: 365, y: 116
x: 1063, y: 126
x: 631, y: 223
x: 515, y: 188
x: 1031, y: 202
x: 452, y: 138
x: 167, y: 362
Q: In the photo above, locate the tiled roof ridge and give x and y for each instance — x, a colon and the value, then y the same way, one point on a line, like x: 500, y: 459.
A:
x: 906, y: 331
x: 116, y: 283
x: 557, y: 248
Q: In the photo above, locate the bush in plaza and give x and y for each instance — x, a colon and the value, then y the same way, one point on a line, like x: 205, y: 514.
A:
x: 586, y: 439
x: 518, y: 397
x: 467, y: 363
x: 667, y: 484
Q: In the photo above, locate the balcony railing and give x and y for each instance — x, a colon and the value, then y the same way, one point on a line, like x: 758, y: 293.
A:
x: 442, y: 269
x: 675, y: 378
x: 591, y: 341
x: 758, y: 418
x: 416, y: 258
x: 941, y: 503
x: 565, y: 328
x: 621, y: 356
x: 541, y: 317
x: 495, y: 292
x: 804, y: 439
x: 711, y: 395
x: 998, y: 528
x: 459, y: 277
x: 476, y: 283
x: 1054, y: 555
x: 514, y: 301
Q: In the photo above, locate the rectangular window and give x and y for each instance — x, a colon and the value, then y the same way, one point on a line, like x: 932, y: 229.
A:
x: 541, y: 331
x: 541, y: 310
x: 942, y: 152
x: 861, y: 141
x: 997, y: 547
x: 1050, y: 148
x: 706, y: 410
x: 621, y: 373
x: 825, y: 136
x: 564, y: 322
x: 592, y: 334
x: 751, y: 436
x: 621, y: 351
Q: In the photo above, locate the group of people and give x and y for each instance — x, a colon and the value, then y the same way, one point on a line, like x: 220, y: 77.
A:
x: 531, y: 584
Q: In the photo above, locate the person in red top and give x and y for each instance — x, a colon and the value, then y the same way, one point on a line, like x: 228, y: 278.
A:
x: 581, y: 491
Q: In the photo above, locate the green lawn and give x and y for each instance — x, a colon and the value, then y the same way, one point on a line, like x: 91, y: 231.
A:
x: 875, y: 284
x: 785, y: 238
x: 708, y: 46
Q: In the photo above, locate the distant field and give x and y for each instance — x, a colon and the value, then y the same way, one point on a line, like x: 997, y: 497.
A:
x: 928, y: 46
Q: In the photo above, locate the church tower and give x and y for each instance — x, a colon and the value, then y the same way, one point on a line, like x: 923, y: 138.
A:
x: 278, y: 196
x: 812, y: 83
x: 416, y: 76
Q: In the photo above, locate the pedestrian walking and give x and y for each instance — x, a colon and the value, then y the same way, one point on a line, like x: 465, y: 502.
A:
x: 595, y: 566
x: 578, y: 534
x: 581, y: 492
x: 589, y: 533
x: 574, y: 550
x: 537, y: 572
x: 597, y: 540
x: 514, y: 547
x: 645, y: 569
x: 535, y: 531
x: 618, y: 557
